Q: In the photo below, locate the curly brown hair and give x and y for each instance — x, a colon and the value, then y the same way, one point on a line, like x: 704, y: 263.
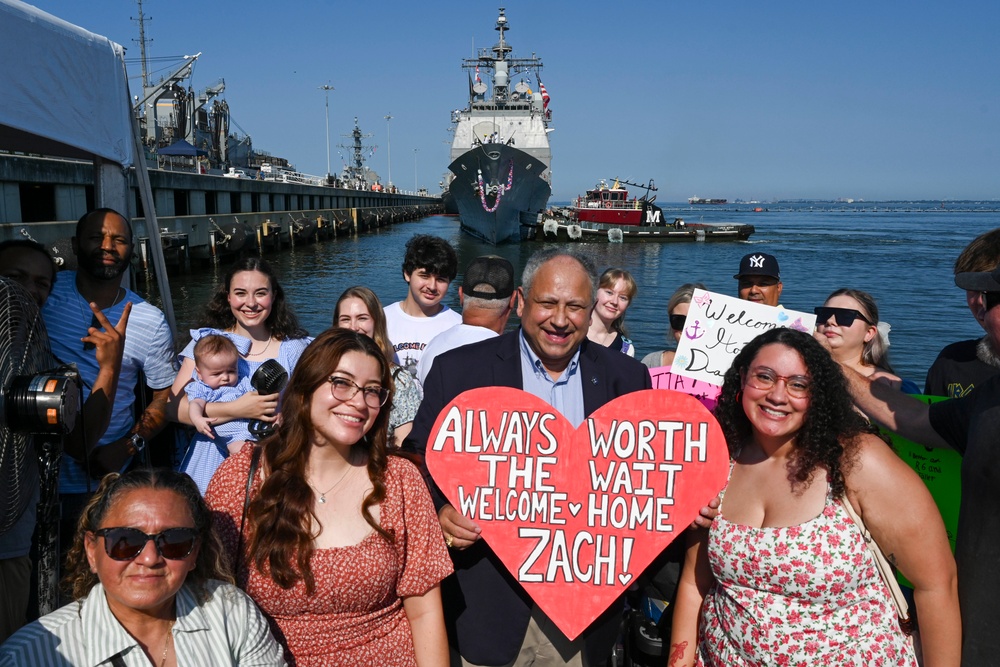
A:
x: 281, y: 322
x: 831, y: 429
x: 210, y: 564
x: 281, y: 515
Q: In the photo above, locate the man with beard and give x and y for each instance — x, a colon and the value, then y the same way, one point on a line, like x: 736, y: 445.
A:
x: 103, y: 248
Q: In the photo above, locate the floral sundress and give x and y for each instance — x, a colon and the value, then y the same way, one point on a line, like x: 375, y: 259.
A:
x: 798, y: 595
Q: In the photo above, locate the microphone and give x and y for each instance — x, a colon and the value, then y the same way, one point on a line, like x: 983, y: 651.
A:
x: 269, y: 378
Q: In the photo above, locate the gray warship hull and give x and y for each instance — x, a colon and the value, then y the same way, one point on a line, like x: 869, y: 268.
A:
x: 517, y: 187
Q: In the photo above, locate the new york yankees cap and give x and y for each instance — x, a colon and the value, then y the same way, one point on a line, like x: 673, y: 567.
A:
x: 759, y: 264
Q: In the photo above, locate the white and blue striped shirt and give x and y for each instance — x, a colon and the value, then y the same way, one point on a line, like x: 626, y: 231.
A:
x: 228, y: 629
x: 149, y: 347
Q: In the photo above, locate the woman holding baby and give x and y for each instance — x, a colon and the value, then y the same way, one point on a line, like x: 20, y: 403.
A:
x: 249, y: 309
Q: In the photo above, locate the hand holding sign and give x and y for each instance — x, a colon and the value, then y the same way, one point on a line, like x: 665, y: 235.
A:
x: 576, y: 514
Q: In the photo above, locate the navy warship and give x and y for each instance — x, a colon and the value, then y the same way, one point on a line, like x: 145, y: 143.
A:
x: 500, y: 154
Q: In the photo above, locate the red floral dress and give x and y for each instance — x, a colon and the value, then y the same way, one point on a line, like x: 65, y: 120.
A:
x: 798, y: 595
x: 355, y: 618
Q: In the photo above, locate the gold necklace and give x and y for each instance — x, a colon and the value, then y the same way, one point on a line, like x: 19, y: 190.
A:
x: 266, y: 348
x: 167, y: 642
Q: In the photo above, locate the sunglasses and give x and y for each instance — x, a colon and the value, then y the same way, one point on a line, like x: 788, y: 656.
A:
x: 127, y: 543
x: 677, y: 322
x: 844, y: 317
x: 991, y: 299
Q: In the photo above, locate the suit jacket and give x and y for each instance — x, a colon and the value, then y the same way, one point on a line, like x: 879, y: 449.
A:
x: 486, y: 609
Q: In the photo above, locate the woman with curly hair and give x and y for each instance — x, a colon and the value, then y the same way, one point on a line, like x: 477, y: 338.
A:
x: 149, y: 585
x: 784, y: 576
x: 334, y: 538
x: 250, y: 309
x: 359, y: 309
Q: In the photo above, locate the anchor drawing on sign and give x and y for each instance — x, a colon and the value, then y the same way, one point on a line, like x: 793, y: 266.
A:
x: 694, y: 332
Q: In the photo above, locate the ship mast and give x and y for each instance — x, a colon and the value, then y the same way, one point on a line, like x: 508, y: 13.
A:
x: 142, y: 41
x: 357, y: 171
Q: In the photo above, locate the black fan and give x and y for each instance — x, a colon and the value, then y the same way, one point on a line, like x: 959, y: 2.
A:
x: 269, y: 378
x: 32, y: 401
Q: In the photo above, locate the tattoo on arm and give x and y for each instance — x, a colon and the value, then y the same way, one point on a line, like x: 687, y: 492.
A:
x: 677, y: 653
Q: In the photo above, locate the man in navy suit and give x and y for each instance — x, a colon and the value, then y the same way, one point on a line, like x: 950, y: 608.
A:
x: 491, y: 620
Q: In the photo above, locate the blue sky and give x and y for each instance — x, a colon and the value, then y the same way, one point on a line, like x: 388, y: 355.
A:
x: 734, y: 99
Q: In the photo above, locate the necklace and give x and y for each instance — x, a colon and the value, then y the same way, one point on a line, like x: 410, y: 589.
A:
x: 167, y: 641
x: 266, y: 348
x: 322, y: 494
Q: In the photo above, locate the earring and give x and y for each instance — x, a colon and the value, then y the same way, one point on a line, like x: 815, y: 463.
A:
x: 739, y: 396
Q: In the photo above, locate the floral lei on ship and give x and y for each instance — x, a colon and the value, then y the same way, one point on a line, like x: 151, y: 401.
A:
x: 500, y: 190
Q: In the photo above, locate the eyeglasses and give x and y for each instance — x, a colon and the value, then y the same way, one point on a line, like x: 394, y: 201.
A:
x: 127, y: 543
x: 344, y: 390
x: 991, y: 299
x: 677, y: 322
x: 844, y: 317
x: 797, y: 386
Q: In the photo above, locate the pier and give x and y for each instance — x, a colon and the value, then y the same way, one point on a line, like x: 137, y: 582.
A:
x: 201, y: 217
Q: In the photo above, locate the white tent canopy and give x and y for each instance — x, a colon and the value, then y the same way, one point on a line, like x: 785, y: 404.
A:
x: 65, y: 89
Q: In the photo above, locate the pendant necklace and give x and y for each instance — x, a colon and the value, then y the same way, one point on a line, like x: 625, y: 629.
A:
x: 322, y: 494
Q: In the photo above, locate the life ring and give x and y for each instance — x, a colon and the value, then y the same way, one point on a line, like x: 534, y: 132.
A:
x: 607, y: 204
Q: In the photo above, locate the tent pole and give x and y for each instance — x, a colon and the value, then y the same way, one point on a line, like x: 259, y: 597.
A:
x: 152, y: 227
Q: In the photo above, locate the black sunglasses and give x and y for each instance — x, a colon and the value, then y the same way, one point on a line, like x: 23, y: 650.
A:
x: 677, y: 322
x: 844, y: 317
x: 991, y: 299
x: 127, y: 543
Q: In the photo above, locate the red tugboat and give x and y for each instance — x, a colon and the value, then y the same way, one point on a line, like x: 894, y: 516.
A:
x: 611, y: 205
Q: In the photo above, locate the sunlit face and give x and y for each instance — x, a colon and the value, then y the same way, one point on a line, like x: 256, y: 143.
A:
x: 104, y: 246
x: 555, y: 313
x: 218, y: 370
x: 353, y: 314
x: 344, y: 423
x: 427, y: 289
x: 846, y: 341
x: 149, y: 582
x: 681, y: 310
x: 250, y: 298
x: 30, y: 269
x: 612, y: 301
x: 774, y: 413
x: 760, y: 289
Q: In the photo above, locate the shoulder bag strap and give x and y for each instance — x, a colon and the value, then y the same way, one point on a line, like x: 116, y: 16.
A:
x: 881, y: 564
x: 254, y: 461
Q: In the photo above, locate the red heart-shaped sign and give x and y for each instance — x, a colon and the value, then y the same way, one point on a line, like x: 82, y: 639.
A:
x: 577, y: 514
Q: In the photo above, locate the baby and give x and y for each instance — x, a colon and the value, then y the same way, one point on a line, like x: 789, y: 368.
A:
x: 216, y: 380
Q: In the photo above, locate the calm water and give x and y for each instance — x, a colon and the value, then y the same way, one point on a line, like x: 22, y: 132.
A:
x: 902, y: 255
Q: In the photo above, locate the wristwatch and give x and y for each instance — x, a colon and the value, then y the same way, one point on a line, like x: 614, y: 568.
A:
x: 136, y: 444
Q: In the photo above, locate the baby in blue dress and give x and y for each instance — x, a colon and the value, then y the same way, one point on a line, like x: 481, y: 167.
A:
x: 216, y: 381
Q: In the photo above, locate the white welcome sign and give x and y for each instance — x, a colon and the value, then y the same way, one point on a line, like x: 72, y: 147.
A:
x: 719, y: 326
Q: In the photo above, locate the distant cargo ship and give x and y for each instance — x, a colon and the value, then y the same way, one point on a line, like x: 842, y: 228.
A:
x: 699, y: 200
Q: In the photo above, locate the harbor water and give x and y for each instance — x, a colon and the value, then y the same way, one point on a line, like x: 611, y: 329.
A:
x: 902, y: 254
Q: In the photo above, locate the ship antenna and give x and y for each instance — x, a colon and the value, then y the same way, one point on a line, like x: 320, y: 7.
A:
x: 142, y: 42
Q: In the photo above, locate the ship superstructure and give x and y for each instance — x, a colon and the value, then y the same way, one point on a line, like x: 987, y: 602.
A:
x: 500, y: 155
